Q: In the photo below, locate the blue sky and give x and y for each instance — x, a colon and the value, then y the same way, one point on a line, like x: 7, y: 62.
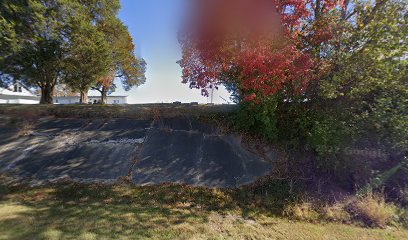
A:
x: 153, y: 25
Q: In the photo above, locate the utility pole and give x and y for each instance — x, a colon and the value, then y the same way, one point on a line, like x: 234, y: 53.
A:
x: 212, y: 95
x: 211, y: 87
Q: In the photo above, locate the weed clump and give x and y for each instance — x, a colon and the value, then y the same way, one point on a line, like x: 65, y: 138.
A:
x: 372, y: 209
x: 304, y: 211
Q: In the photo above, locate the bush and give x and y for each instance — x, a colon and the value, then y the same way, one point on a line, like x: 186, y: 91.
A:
x: 369, y: 210
x: 403, y: 196
x: 372, y: 210
x: 303, y: 211
x: 403, y: 217
x: 336, y: 213
x: 259, y: 119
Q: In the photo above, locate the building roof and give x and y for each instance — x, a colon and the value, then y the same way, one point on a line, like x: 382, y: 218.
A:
x: 10, y: 92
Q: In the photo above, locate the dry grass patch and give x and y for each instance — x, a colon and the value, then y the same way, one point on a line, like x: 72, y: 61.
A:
x: 336, y: 213
x: 304, y: 211
x: 373, y: 210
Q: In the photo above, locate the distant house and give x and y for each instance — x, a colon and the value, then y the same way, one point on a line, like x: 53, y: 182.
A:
x: 18, y: 94
x: 91, y: 99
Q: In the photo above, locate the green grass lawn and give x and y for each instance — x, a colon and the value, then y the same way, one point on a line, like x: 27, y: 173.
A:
x: 163, y: 212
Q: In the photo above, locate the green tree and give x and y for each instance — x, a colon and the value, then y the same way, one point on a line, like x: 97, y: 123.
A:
x: 125, y: 65
x: 369, y: 77
x: 88, y: 58
x: 362, y: 101
x: 31, y: 43
x: 81, y: 43
x: 110, y: 52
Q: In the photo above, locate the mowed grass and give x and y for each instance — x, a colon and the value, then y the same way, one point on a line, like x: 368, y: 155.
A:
x: 71, y: 211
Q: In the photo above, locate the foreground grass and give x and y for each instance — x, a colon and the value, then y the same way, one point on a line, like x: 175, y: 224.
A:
x: 162, y: 212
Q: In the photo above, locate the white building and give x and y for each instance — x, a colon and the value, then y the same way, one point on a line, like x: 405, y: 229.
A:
x: 91, y: 99
x: 17, y: 94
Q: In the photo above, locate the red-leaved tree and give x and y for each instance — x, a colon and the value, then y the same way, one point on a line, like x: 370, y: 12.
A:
x: 257, y: 47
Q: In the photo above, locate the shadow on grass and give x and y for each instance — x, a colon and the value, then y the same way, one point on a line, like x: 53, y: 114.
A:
x: 78, y: 211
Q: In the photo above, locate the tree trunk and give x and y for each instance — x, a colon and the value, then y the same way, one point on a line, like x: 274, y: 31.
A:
x: 344, y: 9
x: 46, y: 95
x: 84, y: 97
x: 317, y: 10
x: 104, y: 95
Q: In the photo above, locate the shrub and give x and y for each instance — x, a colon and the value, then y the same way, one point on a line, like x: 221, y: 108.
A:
x: 403, y: 217
x: 403, y: 196
x: 259, y: 119
x: 336, y: 213
x: 372, y: 209
x: 303, y: 211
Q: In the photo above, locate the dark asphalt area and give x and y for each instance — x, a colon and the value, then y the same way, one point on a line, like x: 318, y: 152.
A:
x: 176, y: 150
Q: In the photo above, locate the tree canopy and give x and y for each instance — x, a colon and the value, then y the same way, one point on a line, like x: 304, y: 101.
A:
x: 260, y: 48
x: 44, y: 43
x: 31, y: 40
x: 325, y: 74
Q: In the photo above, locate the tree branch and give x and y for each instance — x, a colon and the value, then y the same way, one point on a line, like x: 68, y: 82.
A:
x: 377, y: 6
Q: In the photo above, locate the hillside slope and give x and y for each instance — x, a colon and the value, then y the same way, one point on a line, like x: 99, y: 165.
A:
x: 147, y: 144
